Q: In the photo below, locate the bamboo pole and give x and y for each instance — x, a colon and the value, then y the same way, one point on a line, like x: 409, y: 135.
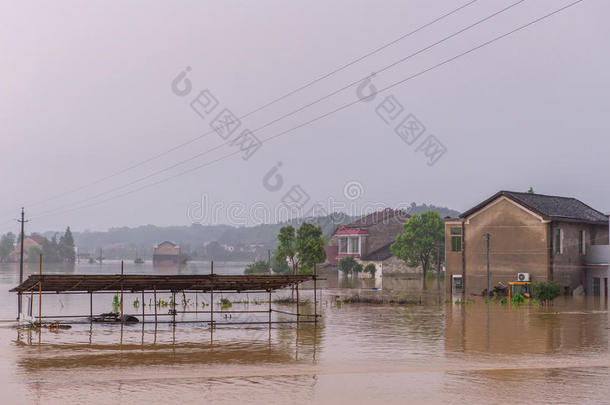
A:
x: 298, y: 310
x: 142, y: 305
x: 155, y: 299
x: 269, y: 308
x: 91, y: 306
x: 122, y: 271
x: 174, y: 306
x: 315, y: 293
x: 40, y: 295
x: 212, y: 296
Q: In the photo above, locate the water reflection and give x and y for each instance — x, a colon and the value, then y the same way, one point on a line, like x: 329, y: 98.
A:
x: 572, y: 324
x: 357, y: 353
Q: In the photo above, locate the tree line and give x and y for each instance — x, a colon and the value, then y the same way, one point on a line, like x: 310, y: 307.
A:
x: 54, y: 250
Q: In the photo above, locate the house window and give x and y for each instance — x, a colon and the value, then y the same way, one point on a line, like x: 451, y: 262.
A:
x: 582, y: 246
x: 349, y: 245
x: 353, y: 245
x: 456, y: 239
x: 558, y: 241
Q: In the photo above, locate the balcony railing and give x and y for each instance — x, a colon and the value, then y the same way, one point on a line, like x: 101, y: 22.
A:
x: 598, y: 254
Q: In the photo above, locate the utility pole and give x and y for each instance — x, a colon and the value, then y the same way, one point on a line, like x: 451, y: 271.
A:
x: 487, y: 237
x: 22, y: 221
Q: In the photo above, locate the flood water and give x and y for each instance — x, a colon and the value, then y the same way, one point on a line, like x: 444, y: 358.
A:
x: 436, y: 352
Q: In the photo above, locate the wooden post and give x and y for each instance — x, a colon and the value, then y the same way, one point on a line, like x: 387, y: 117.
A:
x: 40, y: 296
x: 122, y: 271
x: 212, y: 295
x: 155, y: 298
x: 91, y: 306
x: 315, y: 294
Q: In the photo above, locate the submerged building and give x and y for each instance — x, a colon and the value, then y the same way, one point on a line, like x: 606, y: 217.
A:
x: 166, y: 253
x: 368, y: 240
x: 533, y: 237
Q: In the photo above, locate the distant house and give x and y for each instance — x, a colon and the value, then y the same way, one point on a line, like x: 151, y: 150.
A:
x: 29, y: 242
x: 166, y: 253
x: 368, y: 239
x: 545, y: 237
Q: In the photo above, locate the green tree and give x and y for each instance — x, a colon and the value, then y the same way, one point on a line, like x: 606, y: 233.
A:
x: 349, y: 265
x: 531, y: 190
x: 418, y: 243
x: 310, y: 247
x: 66, y: 247
x: 371, y: 269
x: 7, y: 245
x: 279, y: 266
x: 258, y: 267
x: 34, y: 253
x: 287, y: 247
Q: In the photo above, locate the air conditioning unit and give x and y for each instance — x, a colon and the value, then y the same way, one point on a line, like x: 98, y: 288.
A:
x: 523, y: 276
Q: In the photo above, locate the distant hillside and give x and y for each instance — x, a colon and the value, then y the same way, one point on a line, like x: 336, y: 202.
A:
x: 233, y: 243
x: 442, y: 211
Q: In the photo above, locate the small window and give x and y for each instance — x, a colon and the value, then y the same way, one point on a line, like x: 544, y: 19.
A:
x: 456, y: 239
x: 582, y: 246
x: 558, y: 241
x: 342, y: 245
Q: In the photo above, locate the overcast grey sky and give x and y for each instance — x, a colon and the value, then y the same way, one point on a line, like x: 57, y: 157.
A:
x: 86, y: 92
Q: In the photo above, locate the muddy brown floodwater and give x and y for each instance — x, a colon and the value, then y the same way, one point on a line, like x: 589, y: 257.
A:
x: 436, y: 352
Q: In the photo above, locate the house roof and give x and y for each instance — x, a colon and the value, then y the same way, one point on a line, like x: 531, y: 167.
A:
x: 380, y: 254
x: 549, y: 207
x: 374, y: 218
x: 167, y: 243
x: 351, y: 231
x: 36, y: 238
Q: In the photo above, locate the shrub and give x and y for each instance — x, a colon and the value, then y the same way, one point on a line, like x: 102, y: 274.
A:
x: 258, y: 267
x: 546, y: 291
x: 518, y: 299
x: 225, y: 302
x: 371, y: 269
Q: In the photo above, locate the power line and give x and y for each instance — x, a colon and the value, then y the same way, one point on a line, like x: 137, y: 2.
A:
x: 205, y: 152
x: 436, y: 66
x: 270, y: 103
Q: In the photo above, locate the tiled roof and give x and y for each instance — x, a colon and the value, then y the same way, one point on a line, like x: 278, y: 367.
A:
x: 549, y: 207
x: 380, y: 254
x: 375, y: 218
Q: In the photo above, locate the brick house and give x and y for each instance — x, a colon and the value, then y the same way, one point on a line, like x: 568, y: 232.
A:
x: 368, y: 239
x: 545, y: 236
x: 166, y: 253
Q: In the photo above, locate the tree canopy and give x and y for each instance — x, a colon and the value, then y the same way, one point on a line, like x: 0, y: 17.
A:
x: 349, y: 265
x: 7, y: 243
x: 302, y: 248
x: 420, y: 241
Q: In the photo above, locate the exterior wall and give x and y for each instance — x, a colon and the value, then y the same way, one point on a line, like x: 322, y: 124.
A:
x: 569, y: 265
x: 519, y: 244
x: 453, y: 260
x: 392, y: 265
x: 166, y: 253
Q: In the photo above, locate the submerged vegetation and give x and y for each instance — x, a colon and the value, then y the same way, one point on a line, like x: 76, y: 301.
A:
x: 546, y: 291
